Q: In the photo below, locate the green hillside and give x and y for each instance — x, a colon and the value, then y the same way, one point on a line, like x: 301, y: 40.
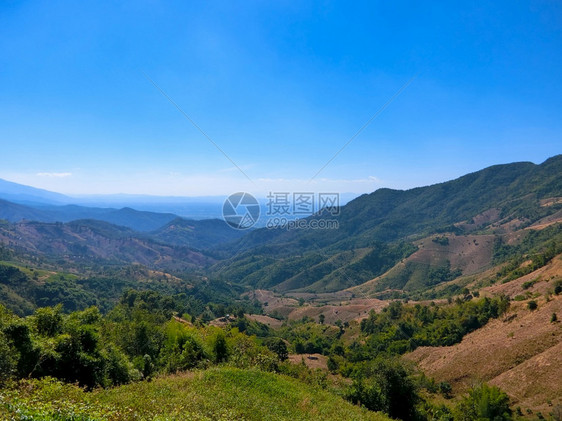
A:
x: 385, y: 222
x: 214, y: 394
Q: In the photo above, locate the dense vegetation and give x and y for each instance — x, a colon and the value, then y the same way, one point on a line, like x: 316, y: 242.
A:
x: 24, y: 288
x: 539, y: 247
x: 148, y: 334
x: 399, y: 328
x: 315, y: 270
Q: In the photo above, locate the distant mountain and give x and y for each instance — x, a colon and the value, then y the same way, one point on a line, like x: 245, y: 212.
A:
x: 165, y: 228
x: 390, y: 215
x: 137, y: 220
x: 204, y: 234
x: 89, y: 242
x: 15, y: 212
x: 25, y: 194
x: 376, y: 230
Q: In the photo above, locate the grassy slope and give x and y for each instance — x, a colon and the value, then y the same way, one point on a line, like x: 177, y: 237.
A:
x: 217, y: 394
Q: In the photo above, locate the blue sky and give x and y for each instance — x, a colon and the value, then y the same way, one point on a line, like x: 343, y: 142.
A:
x: 280, y: 87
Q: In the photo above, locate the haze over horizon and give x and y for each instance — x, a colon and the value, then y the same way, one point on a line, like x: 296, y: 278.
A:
x: 280, y: 88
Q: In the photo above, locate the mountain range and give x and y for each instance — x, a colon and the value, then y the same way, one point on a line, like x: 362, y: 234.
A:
x: 383, y: 234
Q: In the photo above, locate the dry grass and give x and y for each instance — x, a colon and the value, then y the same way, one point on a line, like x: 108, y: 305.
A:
x: 519, y: 353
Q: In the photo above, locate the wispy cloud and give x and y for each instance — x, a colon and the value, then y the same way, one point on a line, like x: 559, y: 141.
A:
x: 54, y: 174
x: 232, y: 169
x: 371, y: 179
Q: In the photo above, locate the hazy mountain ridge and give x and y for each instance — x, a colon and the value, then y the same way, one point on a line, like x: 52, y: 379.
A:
x: 381, y: 220
x: 131, y: 218
x: 376, y: 232
x: 87, y: 242
x: 165, y: 228
x: 26, y: 194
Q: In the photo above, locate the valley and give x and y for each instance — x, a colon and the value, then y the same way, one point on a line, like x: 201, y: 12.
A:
x: 439, y: 288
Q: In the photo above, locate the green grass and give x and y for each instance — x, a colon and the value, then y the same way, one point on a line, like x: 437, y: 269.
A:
x: 221, y: 393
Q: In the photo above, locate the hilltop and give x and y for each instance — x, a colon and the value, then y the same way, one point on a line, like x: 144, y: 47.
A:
x: 214, y: 394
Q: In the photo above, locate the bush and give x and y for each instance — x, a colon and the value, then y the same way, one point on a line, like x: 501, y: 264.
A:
x: 532, y: 305
x: 279, y: 347
x: 48, y: 320
x: 484, y: 403
x: 445, y: 389
x: 7, y: 359
x: 219, y: 347
x: 385, y: 385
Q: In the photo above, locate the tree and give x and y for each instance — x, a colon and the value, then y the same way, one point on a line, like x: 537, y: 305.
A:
x: 553, y: 318
x: 445, y: 389
x: 332, y: 365
x: 48, y: 320
x: 219, y: 347
x: 321, y: 319
x: 299, y: 347
x: 385, y: 385
x: 7, y: 359
x: 532, y: 305
x: 279, y: 347
x: 484, y: 403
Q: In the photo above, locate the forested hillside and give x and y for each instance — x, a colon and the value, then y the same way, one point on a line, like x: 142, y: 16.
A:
x: 378, y: 230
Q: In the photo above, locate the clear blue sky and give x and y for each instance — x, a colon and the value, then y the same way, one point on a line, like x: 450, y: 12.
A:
x: 280, y: 87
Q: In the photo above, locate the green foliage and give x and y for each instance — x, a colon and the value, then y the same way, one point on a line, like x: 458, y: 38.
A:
x: 417, y: 276
x: 8, y: 359
x: 532, y: 305
x: 311, y: 338
x: 48, y: 321
x: 279, y: 347
x: 399, y: 329
x: 528, y: 284
x: 219, y: 347
x: 538, y: 246
x: 385, y: 385
x: 445, y: 389
x: 330, y: 270
x: 484, y: 403
x: 221, y: 394
x: 444, y: 241
x: 314, y: 377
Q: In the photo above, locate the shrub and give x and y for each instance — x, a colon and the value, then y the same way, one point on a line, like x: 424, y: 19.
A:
x: 48, y: 320
x: 445, y: 389
x: 385, y: 385
x: 279, y: 347
x: 484, y: 403
x: 219, y: 347
x: 332, y: 365
x: 7, y: 359
x: 532, y: 305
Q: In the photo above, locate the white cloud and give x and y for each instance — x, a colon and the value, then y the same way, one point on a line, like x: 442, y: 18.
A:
x: 54, y: 174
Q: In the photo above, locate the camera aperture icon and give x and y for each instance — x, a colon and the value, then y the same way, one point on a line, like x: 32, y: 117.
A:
x: 241, y: 210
